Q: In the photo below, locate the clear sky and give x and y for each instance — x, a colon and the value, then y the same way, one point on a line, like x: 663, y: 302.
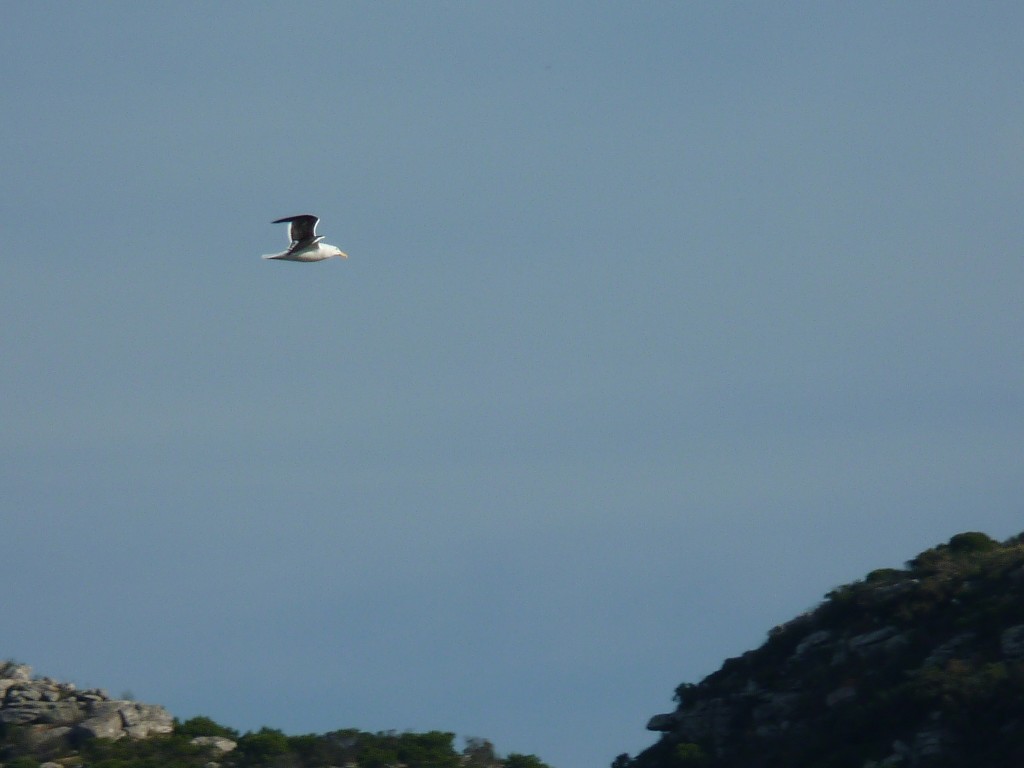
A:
x: 660, y: 320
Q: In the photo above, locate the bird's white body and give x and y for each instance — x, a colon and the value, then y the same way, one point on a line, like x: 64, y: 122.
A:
x: 305, y: 244
x: 314, y: 252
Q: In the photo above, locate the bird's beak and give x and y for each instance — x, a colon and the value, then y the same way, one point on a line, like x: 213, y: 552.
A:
x: 343, y: 255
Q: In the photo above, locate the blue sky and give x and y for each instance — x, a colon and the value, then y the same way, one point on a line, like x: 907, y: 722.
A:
x: 660, y: 320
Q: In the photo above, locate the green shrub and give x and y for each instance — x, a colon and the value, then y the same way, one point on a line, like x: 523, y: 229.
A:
x: 971, y: 541
x: 884, y: 575
x: 690, y: 756
x: 516, y: 760
x: 685, y: 693
x: 261, y: 747
x: 204, y: 726
x: 157, y: 752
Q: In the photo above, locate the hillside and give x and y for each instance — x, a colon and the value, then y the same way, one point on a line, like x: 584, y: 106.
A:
x: 54, y: 724
x: 922, y: 666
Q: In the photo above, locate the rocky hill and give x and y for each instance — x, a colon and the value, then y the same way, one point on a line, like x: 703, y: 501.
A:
x: 49, y: 724
x: 922, y: 666
x: 50, y: 715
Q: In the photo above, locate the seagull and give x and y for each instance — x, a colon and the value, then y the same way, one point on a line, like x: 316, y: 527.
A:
x: 305, y: 243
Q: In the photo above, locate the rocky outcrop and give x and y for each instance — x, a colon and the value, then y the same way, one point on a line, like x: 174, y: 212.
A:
x: 52, y: 714
x: 48, y: 724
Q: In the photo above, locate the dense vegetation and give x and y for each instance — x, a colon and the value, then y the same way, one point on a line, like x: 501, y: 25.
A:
x: 270, y: 748
x: 921, y: 666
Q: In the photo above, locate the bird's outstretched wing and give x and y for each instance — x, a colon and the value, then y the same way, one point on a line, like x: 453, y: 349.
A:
x: 302, y: 229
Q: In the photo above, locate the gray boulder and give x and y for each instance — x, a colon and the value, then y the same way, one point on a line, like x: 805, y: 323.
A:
x: 949, y: 649
x: 23, y: 692
x: 11, y: 671
x: 44, y: 712
x: 870, y: 642
x: 20, y: 714
x: 841, y: 695
x: 812, y: 640
x: 664, y: 722
x: 60, y: 712
x: 1011, y: 643
x: 102, y: 726
x: 219, y: 743
x: 117, y: 719
x: 144, y: 720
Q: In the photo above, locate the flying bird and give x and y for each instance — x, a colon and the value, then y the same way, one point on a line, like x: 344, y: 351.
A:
x: 305, y: 244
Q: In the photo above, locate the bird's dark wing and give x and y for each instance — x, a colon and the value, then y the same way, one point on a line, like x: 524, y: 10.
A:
x: 303, y: 227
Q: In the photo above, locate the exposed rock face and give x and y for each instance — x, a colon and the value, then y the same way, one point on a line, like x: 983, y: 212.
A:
x: 54, y: 712
x: 665, y: 722
x: 219, y: 743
